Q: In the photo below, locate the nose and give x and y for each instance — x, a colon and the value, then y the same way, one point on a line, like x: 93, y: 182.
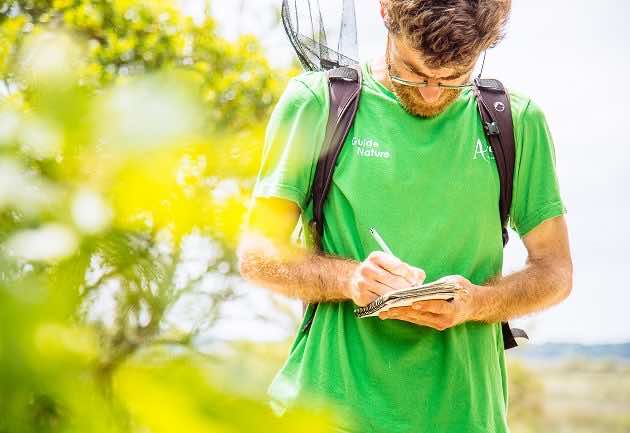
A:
x: 430, y: 94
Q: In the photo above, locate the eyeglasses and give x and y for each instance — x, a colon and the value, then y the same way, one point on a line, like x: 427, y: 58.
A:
x: 425, y: 83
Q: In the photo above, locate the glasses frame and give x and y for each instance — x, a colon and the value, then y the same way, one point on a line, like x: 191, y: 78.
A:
x: 425, y: 83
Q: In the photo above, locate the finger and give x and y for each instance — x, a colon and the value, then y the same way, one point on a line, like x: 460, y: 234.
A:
x: 386, y: 261
x: 435, y: 306
x: 402, y: 314
x: 412, y: 274
x: 396, y: 312
x: 431, y: 320
x: 401, y: 310
x: 454, y: 279
x: 418, y: 274
x: 365, y: 298
x: 377, y: 273
x: 375, y: 287
x: 393, y: 265
x: 406, y: 272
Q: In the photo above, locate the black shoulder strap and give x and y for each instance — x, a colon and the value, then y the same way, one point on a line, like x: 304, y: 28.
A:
x: 344, y: 89
x: 496, y: 115
x: 344, y: 85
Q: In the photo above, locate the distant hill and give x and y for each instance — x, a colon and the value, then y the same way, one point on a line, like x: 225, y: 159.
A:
x: 553, y: 351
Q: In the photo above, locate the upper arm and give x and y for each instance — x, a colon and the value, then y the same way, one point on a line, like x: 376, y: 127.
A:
x: 266, y: 233
x: 549, y: 242
x: 537, y: 211
x: 293, y: 141
x: 536, y: 190
x: 272, y: 217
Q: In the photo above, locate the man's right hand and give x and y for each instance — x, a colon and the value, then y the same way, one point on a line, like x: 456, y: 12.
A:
x: 381, y: 273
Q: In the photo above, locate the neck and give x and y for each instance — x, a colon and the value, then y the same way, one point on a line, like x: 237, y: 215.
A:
x: 378, y: 67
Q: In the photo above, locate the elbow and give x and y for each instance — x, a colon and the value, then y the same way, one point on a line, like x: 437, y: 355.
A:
x: 254, y: 255
x: 247, y: 269
x: 246, y: 263
x: 566, y: 290
x: 244, y: 255
x: 566, y: 280
x: 261, y: 261
x: 243, y: 266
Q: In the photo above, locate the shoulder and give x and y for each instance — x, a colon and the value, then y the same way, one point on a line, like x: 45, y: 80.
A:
x: 311, y: 86
x: 531, y: 131
x: 524, y: 109
x: 305, y: 99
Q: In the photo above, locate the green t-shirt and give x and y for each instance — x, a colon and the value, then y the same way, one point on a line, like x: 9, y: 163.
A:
x: 431, y: 189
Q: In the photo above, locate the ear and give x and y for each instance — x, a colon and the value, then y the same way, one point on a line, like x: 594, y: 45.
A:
x: 384, y: 14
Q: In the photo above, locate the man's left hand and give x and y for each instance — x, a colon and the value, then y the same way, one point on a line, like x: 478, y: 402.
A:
x: 440, y: 314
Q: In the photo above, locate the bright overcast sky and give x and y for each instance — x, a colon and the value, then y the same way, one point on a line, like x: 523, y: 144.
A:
x: 572, y: 58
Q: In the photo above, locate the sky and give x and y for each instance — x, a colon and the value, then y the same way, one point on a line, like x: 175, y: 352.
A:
x: 571, y: 58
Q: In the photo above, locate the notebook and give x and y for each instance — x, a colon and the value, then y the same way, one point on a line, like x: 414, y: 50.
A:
x: 406, y: 297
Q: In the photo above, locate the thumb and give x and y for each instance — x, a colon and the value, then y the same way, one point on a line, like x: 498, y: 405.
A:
x: 418, y: 274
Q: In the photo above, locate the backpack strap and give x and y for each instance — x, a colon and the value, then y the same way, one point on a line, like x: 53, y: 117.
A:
x: 496, y: 115
x: 344, y: 85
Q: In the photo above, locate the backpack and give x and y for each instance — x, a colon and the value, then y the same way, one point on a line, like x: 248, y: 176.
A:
x: 344, y: 85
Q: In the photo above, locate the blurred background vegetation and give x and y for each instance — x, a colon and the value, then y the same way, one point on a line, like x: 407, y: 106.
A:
x: 130, y: 136
x: 129, y: 139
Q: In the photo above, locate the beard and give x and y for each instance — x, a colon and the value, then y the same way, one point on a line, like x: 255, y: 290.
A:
x: 413, y: 103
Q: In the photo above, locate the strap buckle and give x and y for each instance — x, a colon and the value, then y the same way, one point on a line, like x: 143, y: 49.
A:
x: 491, y: 128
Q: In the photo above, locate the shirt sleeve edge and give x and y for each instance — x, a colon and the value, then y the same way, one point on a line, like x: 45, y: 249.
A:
x: 549, y: 211
x: 279, y: 190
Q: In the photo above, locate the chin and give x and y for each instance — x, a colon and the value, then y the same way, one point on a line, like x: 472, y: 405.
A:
x: 416, y: 106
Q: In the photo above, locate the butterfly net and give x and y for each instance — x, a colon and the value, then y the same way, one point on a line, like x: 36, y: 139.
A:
x: 323, y: 33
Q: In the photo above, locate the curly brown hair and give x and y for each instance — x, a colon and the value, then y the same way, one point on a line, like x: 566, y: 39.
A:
x: 448, y: 33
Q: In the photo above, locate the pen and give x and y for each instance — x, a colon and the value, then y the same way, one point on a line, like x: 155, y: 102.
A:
x: 380, y: 241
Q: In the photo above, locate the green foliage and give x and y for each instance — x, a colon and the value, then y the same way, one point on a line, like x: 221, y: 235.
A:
x: 159, y: 379
x: 127, y: 134
x: 124, y: 38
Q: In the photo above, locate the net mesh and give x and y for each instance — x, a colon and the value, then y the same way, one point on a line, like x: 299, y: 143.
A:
x: 314, y: 29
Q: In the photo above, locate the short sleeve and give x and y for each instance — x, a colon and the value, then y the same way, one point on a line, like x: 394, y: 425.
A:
x: 293, y: 139
x: 536, y: 192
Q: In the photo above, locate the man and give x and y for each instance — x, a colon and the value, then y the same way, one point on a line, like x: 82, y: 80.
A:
x: 417, y: 166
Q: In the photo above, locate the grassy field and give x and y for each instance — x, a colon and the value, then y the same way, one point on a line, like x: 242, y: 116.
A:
x: 570, y: 396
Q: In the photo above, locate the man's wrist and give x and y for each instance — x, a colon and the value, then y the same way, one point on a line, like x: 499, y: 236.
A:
x: 480, y: 301
x: 346, y: 279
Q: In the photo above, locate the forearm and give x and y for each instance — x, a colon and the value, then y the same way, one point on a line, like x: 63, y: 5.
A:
x: 537, y: 286
x: 298, y: 273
